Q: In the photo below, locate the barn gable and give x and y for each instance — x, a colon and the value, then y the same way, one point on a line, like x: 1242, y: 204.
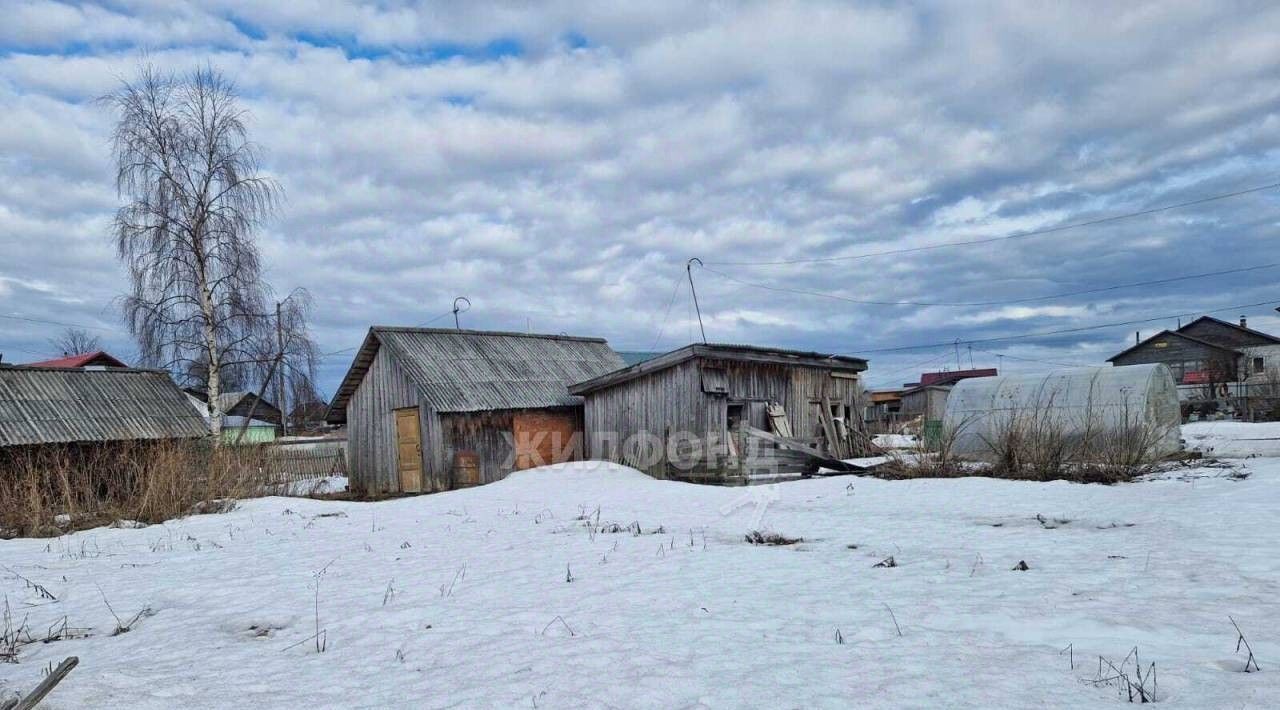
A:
x: 474, y: 371
x: 1224, y: 334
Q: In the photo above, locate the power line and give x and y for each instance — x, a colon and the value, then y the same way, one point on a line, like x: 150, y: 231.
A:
x: 1063, y: 331
x: 58, y: 323
x: 1006, y: 302
x: 420, y: 325
x: 1007, y: 237
x: 912, y: 367
x: 665, y: 316
x: 1032, y: 359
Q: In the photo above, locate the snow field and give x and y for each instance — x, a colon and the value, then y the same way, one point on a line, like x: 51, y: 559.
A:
x: 462, y: 600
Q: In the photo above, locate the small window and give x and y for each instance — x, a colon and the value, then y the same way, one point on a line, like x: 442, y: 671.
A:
x: 715, y: 380
x: 1258, y: 365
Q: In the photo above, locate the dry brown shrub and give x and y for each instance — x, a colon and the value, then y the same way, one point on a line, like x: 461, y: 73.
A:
x: 48, y: 491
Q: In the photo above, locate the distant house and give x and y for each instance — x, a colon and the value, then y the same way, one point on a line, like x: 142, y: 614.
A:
x: 434, y: 409
x: 928, y: 402
x: 236, y: 429
x: 721, y: 411
x: 1207, y: 351
x: 98, y: 358
x: 242, y: 404
x: 883, y: 408
x: 1219, y: 367
x: 950, y: 377
x: 46, y: 407
x: 927, y: 399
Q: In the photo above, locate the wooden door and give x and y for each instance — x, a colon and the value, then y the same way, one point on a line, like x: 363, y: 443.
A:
x: 409, y: 448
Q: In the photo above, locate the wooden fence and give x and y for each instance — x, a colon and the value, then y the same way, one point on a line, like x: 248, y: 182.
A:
x: 292, y: 466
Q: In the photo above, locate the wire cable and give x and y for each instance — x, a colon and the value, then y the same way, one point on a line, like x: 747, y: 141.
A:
x: 58, y: 323
x: 665, y: 316
x: 1006, y: 302
x: 1062, y: 331
x: 1008, y: 237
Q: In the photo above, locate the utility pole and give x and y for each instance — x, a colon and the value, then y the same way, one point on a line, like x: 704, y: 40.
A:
x: 284, y: 415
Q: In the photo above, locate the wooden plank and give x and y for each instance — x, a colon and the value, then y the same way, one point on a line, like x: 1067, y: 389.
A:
x: 828, y: 428
x: 42, y: 689
x: 796, y: 445
x: 778, y: 420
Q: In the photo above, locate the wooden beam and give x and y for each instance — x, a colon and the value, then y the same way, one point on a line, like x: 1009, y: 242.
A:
x: 35, y: 696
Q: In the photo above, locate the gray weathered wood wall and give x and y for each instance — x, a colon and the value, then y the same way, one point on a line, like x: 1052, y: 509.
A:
x: 371, y: 428
x: 671, y: 402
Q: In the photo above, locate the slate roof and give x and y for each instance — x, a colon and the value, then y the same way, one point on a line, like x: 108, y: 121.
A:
x: 45, y: 405
x: 477, y: 370
x: 721, y: 351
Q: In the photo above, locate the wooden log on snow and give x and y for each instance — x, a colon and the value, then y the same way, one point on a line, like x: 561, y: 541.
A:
x: 35, y: 696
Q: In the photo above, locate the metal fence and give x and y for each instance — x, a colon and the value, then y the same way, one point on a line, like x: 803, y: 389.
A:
x: 1253, y: 402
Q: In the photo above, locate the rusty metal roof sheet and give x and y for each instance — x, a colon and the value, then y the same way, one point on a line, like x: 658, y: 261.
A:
x: 50, y: 405
x: 471, y: 370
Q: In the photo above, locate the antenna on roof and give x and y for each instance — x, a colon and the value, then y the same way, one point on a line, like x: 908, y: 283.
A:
x: 688, y: 268
x: 457, y: 310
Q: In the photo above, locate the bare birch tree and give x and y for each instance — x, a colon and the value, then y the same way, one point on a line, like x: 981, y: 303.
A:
x: 194, y: 196
x: 75, y: 341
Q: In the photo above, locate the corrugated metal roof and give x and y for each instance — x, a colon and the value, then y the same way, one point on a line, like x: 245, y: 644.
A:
x: 48, y: 405
x: 470, y: 371
x: 721, y: 351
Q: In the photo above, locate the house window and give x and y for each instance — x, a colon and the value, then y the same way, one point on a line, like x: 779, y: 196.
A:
x: 1258, y: 365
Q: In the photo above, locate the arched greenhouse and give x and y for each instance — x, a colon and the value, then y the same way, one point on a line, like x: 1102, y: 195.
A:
x: 1089, y: 404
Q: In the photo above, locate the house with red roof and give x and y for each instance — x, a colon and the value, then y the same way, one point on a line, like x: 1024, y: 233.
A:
x: 98, y: 358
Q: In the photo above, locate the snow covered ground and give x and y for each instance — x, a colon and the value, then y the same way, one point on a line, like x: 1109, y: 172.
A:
x: 500, y: 596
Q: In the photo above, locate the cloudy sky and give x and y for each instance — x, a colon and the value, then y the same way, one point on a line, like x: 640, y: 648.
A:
x: 559, y: 164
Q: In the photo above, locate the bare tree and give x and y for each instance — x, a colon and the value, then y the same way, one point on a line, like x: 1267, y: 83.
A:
x: 194, y: 197
x: 74, y: 341
x: 286, y: 357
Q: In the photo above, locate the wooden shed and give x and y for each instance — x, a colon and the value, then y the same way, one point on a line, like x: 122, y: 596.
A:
x: 433, y: 409
x: 710, y: 411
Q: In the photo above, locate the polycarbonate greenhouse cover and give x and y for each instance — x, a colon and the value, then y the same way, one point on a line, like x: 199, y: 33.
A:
x: 1073, y: 400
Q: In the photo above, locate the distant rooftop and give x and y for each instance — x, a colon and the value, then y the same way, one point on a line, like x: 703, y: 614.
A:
x: 97, y: 358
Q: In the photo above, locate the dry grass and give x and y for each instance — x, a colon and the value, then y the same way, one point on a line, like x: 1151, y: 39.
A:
x: 45, y: 493
x: 1036, y: 445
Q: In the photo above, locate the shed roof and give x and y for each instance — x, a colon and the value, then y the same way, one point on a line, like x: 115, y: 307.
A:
x: 45, y: 405
x: 478, y: 370
x: 721, y: 351
x: 1171, y: 334
x: 1234, y: 326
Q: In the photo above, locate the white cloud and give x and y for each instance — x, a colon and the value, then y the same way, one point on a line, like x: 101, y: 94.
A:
x: 569, y: 185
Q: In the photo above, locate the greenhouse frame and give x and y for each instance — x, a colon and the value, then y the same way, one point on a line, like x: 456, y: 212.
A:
x: 1074, y: 403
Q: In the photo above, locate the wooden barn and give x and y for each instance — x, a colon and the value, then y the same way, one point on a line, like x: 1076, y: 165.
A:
x: 67, y: 408
x: 717, y: 412
x: 436, y: 409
